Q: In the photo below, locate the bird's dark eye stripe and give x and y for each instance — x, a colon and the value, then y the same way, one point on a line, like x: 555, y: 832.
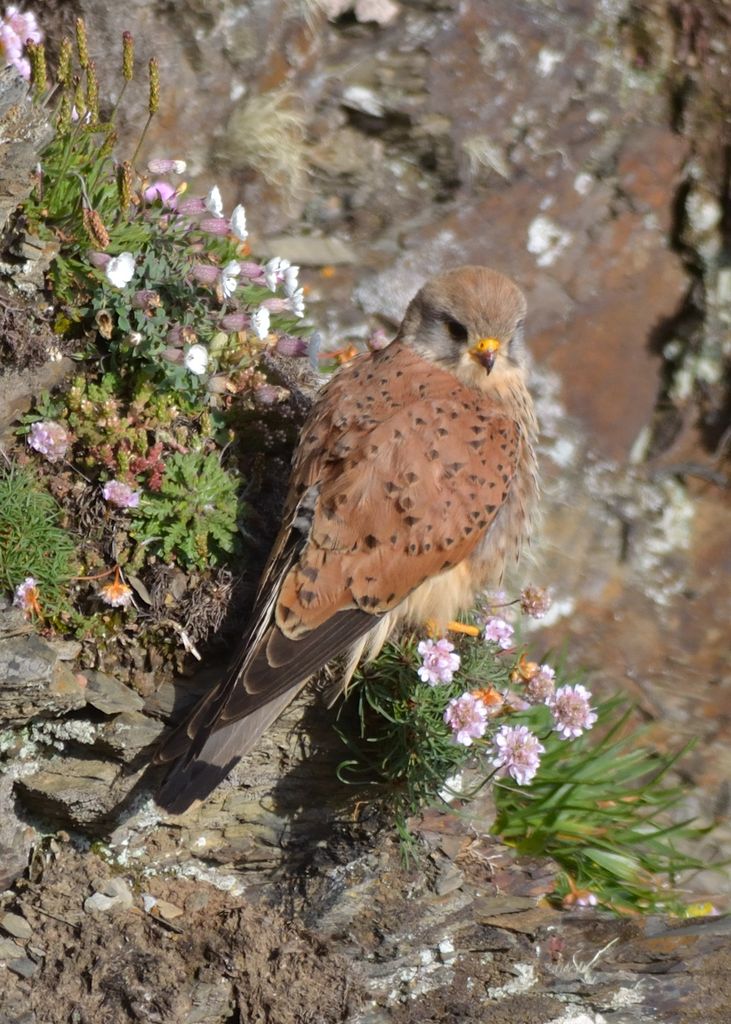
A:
x: 457, y: 330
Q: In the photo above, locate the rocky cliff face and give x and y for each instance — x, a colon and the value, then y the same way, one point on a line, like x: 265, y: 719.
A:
x: 577, y: 146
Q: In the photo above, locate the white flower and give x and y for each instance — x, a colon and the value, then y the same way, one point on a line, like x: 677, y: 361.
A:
x: 274, y: 272
x: 213, y: 202
x: 196, y: 360
x: 297, y: 303
x: 238, y: 223
x: 121, y: 269
x: 229, y: 278
x: 290, y: 281
x: 260, y: 322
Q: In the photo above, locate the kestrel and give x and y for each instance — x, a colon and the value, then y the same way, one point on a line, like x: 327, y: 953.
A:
x: 413, y: 485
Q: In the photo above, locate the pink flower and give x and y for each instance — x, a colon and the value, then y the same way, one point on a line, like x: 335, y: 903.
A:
x: 535, y: 601
x: 541, y: 686
x: 517, y: 753
x: 163, y: 192
x: 26, y: 595
x: 571, y: 710
x: 439, y: 663
x: 50, y: 439
x: 120, y: 494
x: 16, y: 30
x: 467, y: 717
x: 500, y: 632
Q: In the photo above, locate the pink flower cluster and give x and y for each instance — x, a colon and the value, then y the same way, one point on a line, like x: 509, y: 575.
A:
x: 517, y: 753
x: 571, y: 710
x: 50, y: 439
x: 439, y: 661
x: 500, y: 632
x: 16, y: 30
x: 120, y: 494
x: 467, y: 717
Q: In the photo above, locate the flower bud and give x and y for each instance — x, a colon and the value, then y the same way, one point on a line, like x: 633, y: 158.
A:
x: 214, y: 226
x: 289, y: 345
x: 235, y: 321
x: 206, y: 273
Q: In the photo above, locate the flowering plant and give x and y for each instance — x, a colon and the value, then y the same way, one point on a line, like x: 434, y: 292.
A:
x: 432, y: 714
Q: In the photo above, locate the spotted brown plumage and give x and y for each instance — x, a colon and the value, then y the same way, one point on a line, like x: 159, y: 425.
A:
x: 413, y: 483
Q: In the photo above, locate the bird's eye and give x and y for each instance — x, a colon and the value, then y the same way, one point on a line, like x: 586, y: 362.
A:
x: 458, y: 332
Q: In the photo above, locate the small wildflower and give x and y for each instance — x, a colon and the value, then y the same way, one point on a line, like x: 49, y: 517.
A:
x: 500, y: 632
x: 542, y: 685
x: 260, y: 322
x: 439, y: 661
x: 163, y: 166
x: 50, y: 439
x: 571, y: 710
x: 535, y: 601
x: 517, y: 753
x: 297, y: 303
x: 274, y: 271
x: 238, y: 223
x: 120, y: 494
x: 495, y: 602
x: 291, y: 281
x: 26, y: 596
x: 117, y: 594
x: 213, y: 202
x: 467, y: 718
x: 121, y: 269
x: 579, y: 898
x: 16, y: 30
x: 229, y: 278
x: 196, y: 360
x: 163, y: 192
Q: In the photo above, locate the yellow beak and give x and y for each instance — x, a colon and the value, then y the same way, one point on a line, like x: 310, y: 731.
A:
x: 484, y: 351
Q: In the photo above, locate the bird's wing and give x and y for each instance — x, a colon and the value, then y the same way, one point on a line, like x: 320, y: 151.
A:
x: 399, y: 473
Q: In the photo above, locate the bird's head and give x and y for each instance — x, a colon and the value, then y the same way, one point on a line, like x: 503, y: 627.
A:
x: 469, y: 321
